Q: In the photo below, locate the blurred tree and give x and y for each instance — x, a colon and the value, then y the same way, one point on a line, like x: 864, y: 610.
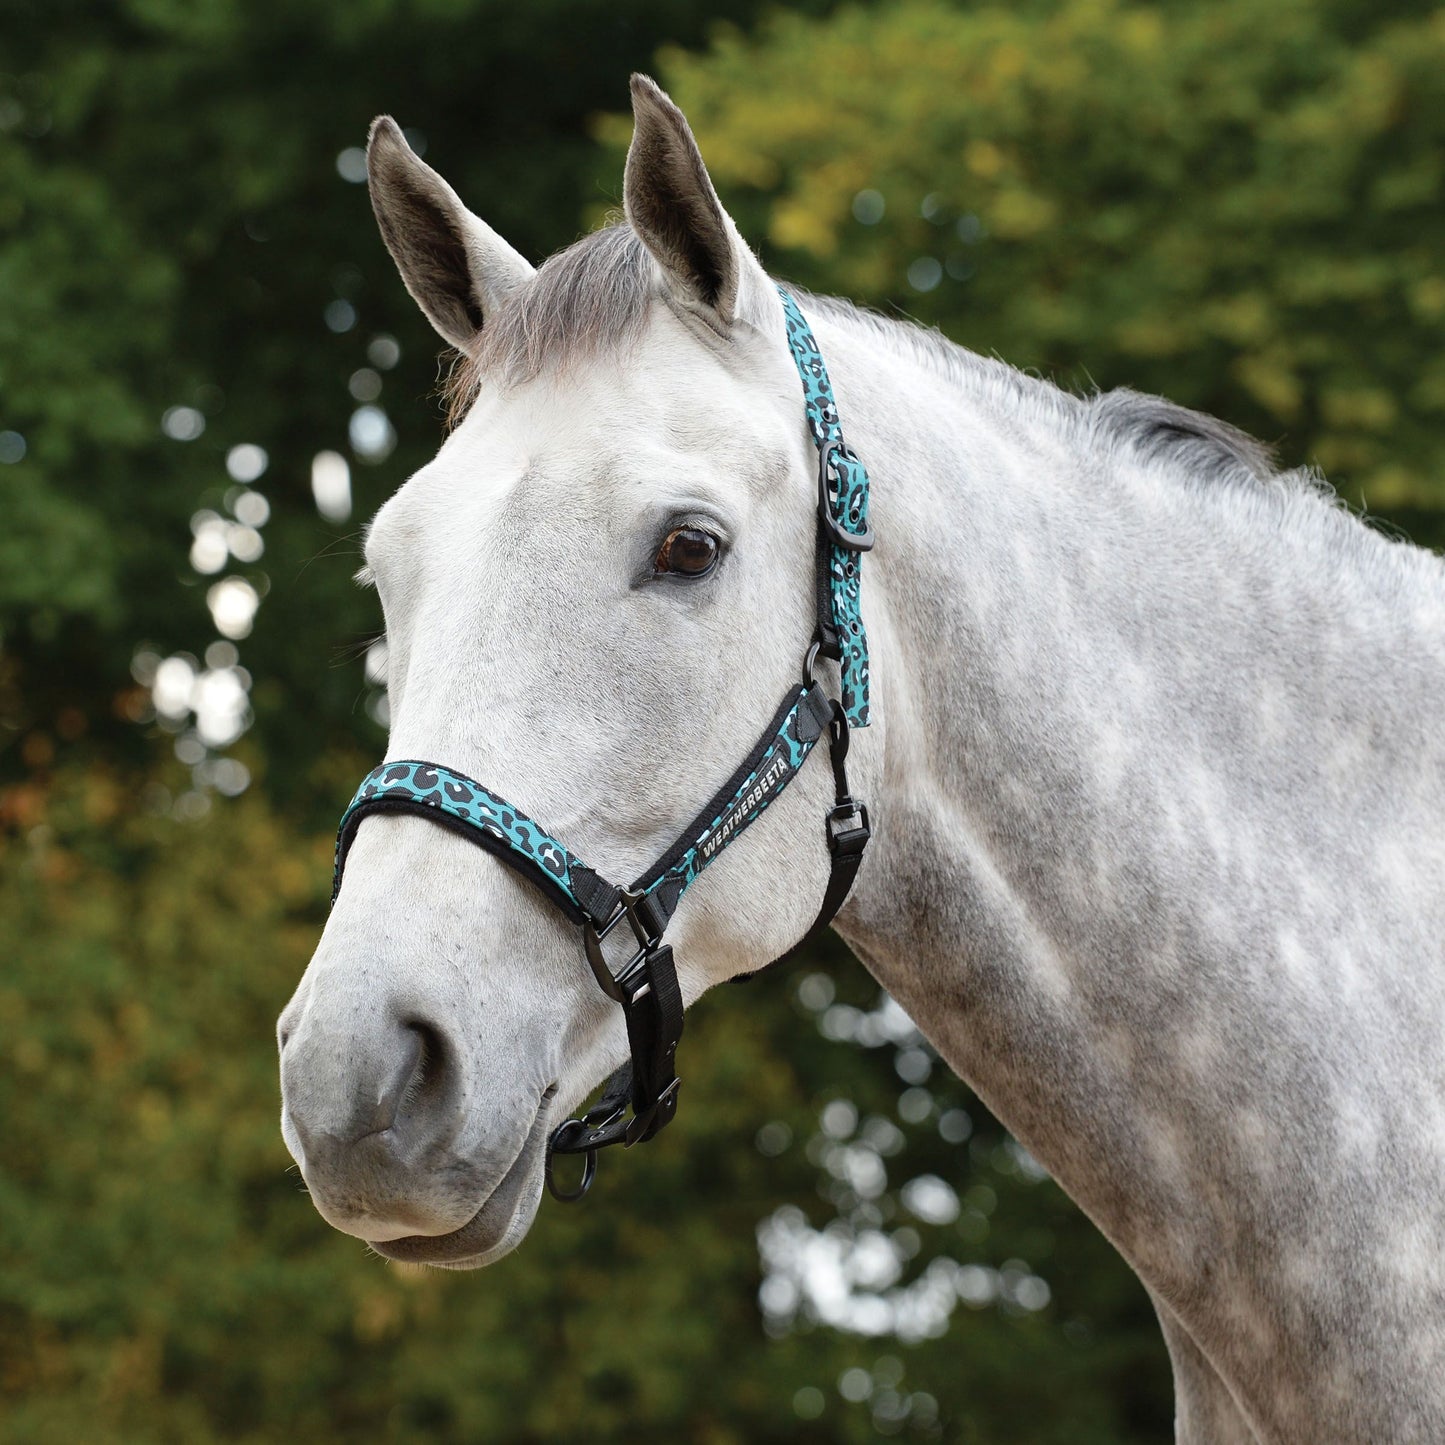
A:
x: 182, y: 236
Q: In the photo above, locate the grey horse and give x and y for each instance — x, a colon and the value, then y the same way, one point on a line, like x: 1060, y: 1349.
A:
x: 1157, y: 772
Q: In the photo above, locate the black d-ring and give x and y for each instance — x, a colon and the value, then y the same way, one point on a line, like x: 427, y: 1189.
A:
x: 839, y: 536
x: 589, y: 1171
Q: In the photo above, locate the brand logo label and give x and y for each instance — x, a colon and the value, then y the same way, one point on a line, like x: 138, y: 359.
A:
x: 767, y: 781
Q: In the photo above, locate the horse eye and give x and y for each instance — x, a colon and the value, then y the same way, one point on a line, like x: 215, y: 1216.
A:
x: 687, y: 552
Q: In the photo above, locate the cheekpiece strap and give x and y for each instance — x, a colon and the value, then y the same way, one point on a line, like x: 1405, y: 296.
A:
x: 779, y: 752
x: 843, y: 485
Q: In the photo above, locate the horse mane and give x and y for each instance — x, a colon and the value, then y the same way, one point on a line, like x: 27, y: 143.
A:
x: 1151, y: 429
x: 595, y: 294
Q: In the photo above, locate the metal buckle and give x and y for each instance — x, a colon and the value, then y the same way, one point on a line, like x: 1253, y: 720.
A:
x: 848, y: 830
x: 615, y: 985
x: 839, y: 536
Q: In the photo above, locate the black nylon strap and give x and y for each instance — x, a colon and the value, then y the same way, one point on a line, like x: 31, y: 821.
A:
x: 827, y: 632
x: 654, y: 1026
x: 848, y: 834
x: 596, y: 895
x: 614, y: 1098
x: 652, y: 1008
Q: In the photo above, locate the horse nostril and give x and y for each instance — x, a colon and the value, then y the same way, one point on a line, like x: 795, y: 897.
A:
x: 393, y: 1087
x: 428, y: 1072
x: 416, y: 1077
x: 386, y: 1076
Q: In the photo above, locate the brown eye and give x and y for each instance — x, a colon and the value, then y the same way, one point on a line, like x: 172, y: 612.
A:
x: 687, y: 552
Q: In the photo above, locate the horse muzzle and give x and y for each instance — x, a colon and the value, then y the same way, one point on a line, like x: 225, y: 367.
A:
x: 379, y: 1112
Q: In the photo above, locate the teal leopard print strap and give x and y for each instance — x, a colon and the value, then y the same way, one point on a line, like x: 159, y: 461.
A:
x: 847, y: 500
x: 464, y: 805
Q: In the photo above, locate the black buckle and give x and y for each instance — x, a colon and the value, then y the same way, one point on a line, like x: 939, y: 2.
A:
x: 640, y: 1127
x: 615, y: 986
x: 848, y: 830
x: 839, y: 536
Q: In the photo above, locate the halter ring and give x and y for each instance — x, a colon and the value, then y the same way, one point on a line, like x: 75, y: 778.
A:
x: 571, y: 1196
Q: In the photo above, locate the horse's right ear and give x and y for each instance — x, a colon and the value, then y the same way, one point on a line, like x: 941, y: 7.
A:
x: 454, y: 264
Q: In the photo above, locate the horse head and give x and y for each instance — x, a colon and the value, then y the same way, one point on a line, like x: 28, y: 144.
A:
x: 594, y: 596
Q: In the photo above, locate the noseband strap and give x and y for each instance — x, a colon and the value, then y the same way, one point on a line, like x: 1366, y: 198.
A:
x: 460, y: 803
x: 643, y: 979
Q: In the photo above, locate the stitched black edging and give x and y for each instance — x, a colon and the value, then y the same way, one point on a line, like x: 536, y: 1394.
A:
x: 499, y: 848
x: 721, y: 798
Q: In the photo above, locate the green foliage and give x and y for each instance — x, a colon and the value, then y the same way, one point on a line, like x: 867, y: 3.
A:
x: 173, y: 228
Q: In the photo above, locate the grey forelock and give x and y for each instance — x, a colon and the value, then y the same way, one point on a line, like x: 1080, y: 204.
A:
x: 590, y: 297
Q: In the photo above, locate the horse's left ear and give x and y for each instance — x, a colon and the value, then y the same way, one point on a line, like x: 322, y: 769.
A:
x: 671, y: 204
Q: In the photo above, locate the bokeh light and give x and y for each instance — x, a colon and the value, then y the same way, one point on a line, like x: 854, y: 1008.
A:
x: 383, y: 352
x: 331, y: 485
x: 183, y: 423
x: 371, y: 434
x: 247, y: 462
x: 868, y: 207
x: 251, y: 508
x: 351, y: 165
x: 233, y: 603
x: 365, y: 384
x: 925, y: 273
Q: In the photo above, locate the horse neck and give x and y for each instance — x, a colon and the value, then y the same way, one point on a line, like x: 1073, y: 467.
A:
x: 1160, y: 850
